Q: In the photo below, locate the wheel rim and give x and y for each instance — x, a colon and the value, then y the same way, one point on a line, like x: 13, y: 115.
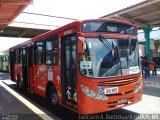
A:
x: 54, y: 98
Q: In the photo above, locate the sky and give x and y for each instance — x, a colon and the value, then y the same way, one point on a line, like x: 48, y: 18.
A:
x: 77, y: 9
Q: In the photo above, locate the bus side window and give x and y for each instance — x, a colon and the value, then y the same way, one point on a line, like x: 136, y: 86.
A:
x: 20, y: 54
x: 38, y: 53
x: 48, y: 51
x: 17, y: 56
x: 12, y: 56
x: 55, y: 50
x: 51, y: 50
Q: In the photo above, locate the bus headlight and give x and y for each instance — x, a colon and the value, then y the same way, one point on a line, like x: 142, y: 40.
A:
x: 138, y: 88
x: 93, y: 94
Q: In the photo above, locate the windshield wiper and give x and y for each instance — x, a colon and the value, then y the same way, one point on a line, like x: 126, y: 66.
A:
x: 129, y: 41
x: 105, y: 42
x: 129, y: 53
x: 110, y: 47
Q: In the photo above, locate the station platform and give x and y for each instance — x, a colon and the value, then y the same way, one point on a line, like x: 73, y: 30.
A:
x: 10, y: 107
x: 152, y: 81
x: 15, y: 106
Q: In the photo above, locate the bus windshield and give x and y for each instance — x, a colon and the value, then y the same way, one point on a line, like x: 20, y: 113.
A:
x: 106, y: 57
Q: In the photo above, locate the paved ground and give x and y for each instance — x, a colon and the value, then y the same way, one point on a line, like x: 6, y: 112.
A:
x: 15, y: 106
x: 10, y: 107
x: 152, y: 81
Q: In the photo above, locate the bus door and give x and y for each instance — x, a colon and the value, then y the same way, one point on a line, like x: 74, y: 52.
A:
x: 30, y: 68
x: 69, y: 77
x: 26, y: 64
x: 12, y: 63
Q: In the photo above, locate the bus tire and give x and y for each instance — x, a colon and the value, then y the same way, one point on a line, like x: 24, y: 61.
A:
x: 53, y: 97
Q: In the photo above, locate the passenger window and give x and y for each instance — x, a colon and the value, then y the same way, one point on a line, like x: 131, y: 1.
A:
x: 51, y: 50
x: 13, y: 56
x: 55, y: 50
x: 20, y: 56
x: 38, y: 53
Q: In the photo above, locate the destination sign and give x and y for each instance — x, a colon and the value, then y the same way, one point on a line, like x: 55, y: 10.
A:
x: 108, y: 27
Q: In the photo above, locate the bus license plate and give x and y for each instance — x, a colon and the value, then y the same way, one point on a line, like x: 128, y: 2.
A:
x: 122, y: 101
x: 111, y: 90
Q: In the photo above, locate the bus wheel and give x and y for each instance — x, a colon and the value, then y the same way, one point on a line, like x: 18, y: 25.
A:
x: 53, y: 96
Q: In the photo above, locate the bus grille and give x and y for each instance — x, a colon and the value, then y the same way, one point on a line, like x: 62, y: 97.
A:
x: 120, y: 82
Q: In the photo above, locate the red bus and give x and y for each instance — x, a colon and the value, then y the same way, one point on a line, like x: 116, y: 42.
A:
x: 88, y: 66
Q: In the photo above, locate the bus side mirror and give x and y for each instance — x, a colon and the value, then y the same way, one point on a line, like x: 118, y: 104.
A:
x: 80, y: 45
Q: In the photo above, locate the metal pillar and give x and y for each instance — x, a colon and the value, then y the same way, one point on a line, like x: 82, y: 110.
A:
x: 147, y: 29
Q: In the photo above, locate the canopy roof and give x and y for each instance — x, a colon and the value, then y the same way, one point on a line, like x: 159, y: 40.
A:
x: 9, y: 9
x: 141, y: 14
